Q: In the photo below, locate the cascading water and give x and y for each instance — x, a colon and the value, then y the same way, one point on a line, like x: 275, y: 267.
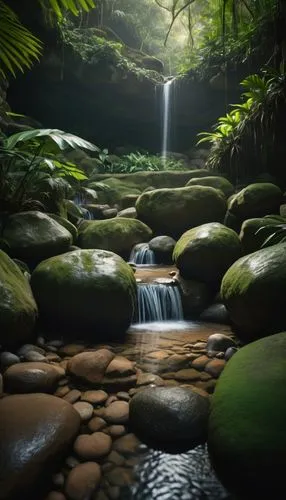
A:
x: 167, y: 92
x: 142, y: 254
x: 158, y: 302
x: 79, y: 200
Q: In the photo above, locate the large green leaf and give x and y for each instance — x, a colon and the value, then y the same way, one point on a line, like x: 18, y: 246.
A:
x: 58, y: 7
x: 62, y: 139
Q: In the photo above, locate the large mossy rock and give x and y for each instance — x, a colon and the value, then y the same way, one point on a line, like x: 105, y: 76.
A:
x: 204, y: 253
x: 254, y: 292
x: 35, y: 236
x: 213, y: 181
x: 18, y: 309
x: 118, y: 235
x: 86, y: 291
x: 173, y: 211
x: 256, y: 200
x: 67, y: 225
x: 36, y: 433
x: 250, y: 240
x: 247, y: 439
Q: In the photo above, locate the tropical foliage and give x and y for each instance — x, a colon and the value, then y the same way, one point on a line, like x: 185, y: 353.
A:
x: 32, y: 168
x: 273, y: 234
x: 244, y: 141
x: 138, y: 162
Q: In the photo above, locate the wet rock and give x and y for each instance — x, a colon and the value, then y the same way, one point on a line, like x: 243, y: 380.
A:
x: 120, y: 367
x: 96, y: 424
x: 124, y: 396
x: 116, y: 430
x: 92, y: 446
x: 172, y: 418
x: 8, y: 359
x: 129, y: 212
x: 94, y: 397
x: 149, y: 378
x: 127, y: 445
x: 163, y: 247
x: 230, y: 352
x: 34, y: 356
x: 110, y: 400
x: 71, y: 349
x: 119, y: 383
x: 200, y: 362
x: 85, y: 410
x: 187, y: 374
x: 215, y: 367
x: 72, y: 396
x: 90, y: 366
x: 117, y: 412
x: 24, y: 349
x: 31, y: 377
x: 120, y: 476
x: 62, y: 391
x: 219, y: 342
x: 82, y: 481
x: 36, y: 431
x: 216, y: 313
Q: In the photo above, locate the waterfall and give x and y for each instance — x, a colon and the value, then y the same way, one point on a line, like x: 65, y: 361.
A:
x: 142, y: 254
x: 158, y: 302
x: 167, y: 87
x: 80, y: 200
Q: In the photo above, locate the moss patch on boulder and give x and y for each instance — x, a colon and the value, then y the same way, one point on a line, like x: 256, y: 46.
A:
x: 171, y: 212
x: 18, y: 309
x: 213, y: 181
x: 247, y: 440
x: 204, y: 253
x: 256, y: 200
x: 254, y: 292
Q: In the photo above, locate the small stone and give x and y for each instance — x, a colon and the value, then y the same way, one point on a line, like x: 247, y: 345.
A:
x: 96, y: 424
x: 34, y: 356
x: 58, y: 479
x: 63, y: 381
x: 127, y: 445
x: 199, y: 345
x: 205, y: 376
x: 92, y: 446
x: 220, y: 355
x: 82, y: 481
x: 55, y: 495
x: 187, y: 374
x: 8, y: 359
x: 71, y: 349
x: 62, y: 391
x: 149, y: 378
x: 120, y: 476
x: 99, y: 412
x: 230, y: 352
x: 117, y: 412
x: 119, y: 383
x: 31, y: 377
x: 90, y: 366
x: 72, y: 396
x: 115, y: 458
x: 158, y: 355
x: 124, y: 396
x: 200, y: 362
x: 219, y: 342
x: 30, y: 347
x: 110, y: 400
x: 120, y: 367
x: 85, y: 410
x: 53, y: 357
x: 215, y: 367
x: 71, y: 462
x: 116, y: 430
x: 94, y: 397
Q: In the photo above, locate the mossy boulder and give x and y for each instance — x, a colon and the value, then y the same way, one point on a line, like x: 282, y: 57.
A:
x: 173, y: 211
x: 86, y: 291
x: 204, y: 253
x: 118, y: 235
x: 251, y: 242
x: 163, y: 247
x: 18, y: 309
x: 256, y: 200
x: 254, y: 292
x: 67, y: 224
x: 34, y: 236
x: 247, y: 439
x: 213, y: 181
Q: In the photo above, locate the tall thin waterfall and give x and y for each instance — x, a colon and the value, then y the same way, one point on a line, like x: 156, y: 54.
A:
x: 142, y: 254
x: 167, y: 88
x: 158, y: 302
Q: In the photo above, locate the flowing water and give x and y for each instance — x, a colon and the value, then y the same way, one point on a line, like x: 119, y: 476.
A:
x: 142, y: 254
x: 158, y: 302
x: 167, y: 94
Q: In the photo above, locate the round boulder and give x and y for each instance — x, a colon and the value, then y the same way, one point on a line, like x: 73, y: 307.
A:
x: 86, y: 290
x: 213, y: 181
x: 35, y: 236
x: 117, y: 235
x: 163, y: 247
x: 31, y: 377
x: 256, y: 200
x: 171, y: 418
x: 18, y: 309
x: 174, y: 211
x: 247, y: 421
x: 254, y: 292
x: 36, y: 431
x: 251, y: 241
x: 204, y: 253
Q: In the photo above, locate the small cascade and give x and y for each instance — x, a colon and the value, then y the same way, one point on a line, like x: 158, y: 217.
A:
x: 167, y: 91
x: 79, y: 200
x: 157, y: 302
x: 142, y: 254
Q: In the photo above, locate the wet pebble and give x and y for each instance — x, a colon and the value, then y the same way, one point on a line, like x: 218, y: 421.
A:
x: 82, y: 481
x: 73, y: 396
x: 127, y: 445
x: 92, y: 446
x: 117, y: 412
x: 8, y: 359
x: 94, y: 397
x: 215, y: 367
x: 85, y: 410
x: 96, y: 424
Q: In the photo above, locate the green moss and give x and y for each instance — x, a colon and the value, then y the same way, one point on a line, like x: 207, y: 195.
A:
x: 67, y: 224
x: 213, y: 181
x: 204, y: 253
x: 256, y: 200
x: 18, y: 309
x: 247, y: 420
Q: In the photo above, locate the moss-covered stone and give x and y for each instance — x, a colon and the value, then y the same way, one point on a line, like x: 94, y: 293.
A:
x: 256, y: 200
x: 74, y: 212
x: 254, y: 292
x: 173, y: 211
x: 213, y: 181
x: 247, y: 439
x: 251, y: 242
x: 118, y: 235
x: 35, y: 236
x: 18, y: 309
x: 67, y: 224
x: 87, y: 291
x: 204, y: 253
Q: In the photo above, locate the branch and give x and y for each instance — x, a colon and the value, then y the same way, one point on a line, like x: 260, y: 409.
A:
x: 175, y: 15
